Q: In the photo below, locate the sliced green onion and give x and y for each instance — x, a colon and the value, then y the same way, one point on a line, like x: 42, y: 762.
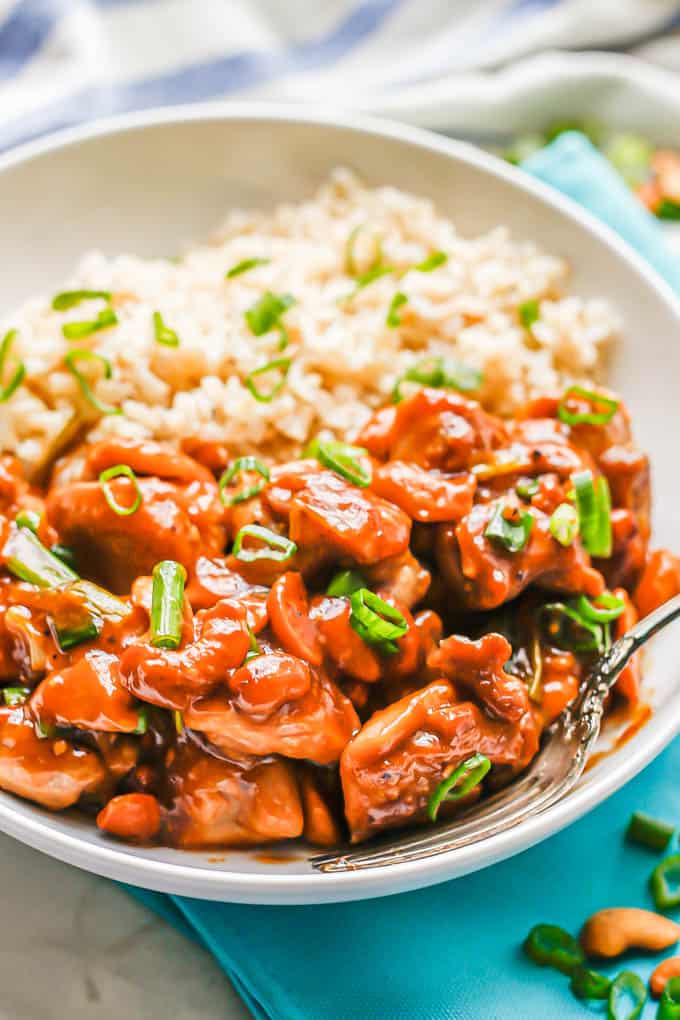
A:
x: 551, y: 946
x: 564, y: 524
x: 664, y: 883
x: 275, y: 547
x: 608, y: 407
x: 167, y: 601
x: 77, y: 330
x: 13, y: 696
x: 70, y: 298
x: 345, y: 583
x: 243, y: 465
x: 345, y: 460
x: 350, y: 263
x: 463, y: 779
x: 593, y: 503
x: 16, y: 379
x: 439, y: 374
x: 604, y: 609
x: 627, y: 996
x: 370, y: 276
x: 529, y: 312
x: 669, y: 1006
x: 649, y: 832
x: 265, y: 314
x: 28, y: 559
x: 254, y: 650
x: 142, y: 720
x: 120, y: 471
x: 28, y: 519
x: 526, y: 488
x: 437, y: 258
x: 162, y: 333
x: 668, y: 209
x: 63, y: 553
x: 244, y: 266
x: 281, y: 365
x: 178, y: 720
x: 393, y: 318
x: 99, y: 600
x: 42, y: 731
x: 584, y: 637
x: 589, y: 984
x: 513, y: 534
x: 69, y: 633
x: 71, y: 358
x: 376, y: 621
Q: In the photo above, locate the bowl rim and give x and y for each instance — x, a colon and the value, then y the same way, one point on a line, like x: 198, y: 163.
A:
x: 125, y: 864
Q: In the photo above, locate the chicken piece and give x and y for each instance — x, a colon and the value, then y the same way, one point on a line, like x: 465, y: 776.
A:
x: 592, y: 439
x: 145, y: 457
x: 222, y: 803
x: 135, y: 817
x: 392, y: 767
x: 627, y: 471
x: 88, y: 695
x: 342, y: 646
x: 628, y: 683
x: 560, y: 680
x: 170, y: 678
x: 477, y: 668
x: 54, y: 773
x: 321, y: 827
x: 482, y: 574
x: 426, y: 496
x: 214, y: 580
x: 170, y: 523
x: 401, y: 577
x: 660, y: 581
x: 276, y: 704
x: 435, y: 429
x: 291, y: 623
x: 629, y: 551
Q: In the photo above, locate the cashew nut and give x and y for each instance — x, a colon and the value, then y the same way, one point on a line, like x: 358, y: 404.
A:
x: 666, y: 970
x: 613, y: 931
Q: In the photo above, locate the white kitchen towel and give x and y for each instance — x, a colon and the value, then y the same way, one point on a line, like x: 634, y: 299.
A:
x: 66, y: 61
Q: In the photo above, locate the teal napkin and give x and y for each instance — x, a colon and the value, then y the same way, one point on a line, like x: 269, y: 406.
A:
x: 452, y: 952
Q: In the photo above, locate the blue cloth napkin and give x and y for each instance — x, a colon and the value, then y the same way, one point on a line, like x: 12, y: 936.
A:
x: 452, y: 952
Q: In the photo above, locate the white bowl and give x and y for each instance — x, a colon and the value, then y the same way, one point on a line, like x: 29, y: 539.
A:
x: 148, y: 183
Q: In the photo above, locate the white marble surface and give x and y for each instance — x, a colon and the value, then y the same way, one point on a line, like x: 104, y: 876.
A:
x: 73, y: 945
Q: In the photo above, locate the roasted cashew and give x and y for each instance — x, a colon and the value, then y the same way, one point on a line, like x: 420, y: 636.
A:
x: 611, y: 932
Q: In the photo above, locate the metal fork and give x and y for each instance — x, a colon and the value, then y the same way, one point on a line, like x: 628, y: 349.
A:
x: 552, y: 774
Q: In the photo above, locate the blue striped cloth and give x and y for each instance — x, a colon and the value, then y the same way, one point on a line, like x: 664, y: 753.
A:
x: 67, y: 61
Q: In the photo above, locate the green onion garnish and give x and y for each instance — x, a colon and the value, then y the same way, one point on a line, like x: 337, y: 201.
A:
x: 664, y: 883
x: 593, y: 503
x: 281, y: 365
x: 244, y: 265
x: 167, y: 600
x: 551, y: 946
x: 463, y: 779
x: 345, y: 583
x: 28, y: 519
x: 63, y: 553
x: 627, y: 996
x: 28, y: 559
x: 70, y: 298
x: 99, y: 600
x: 69, y: 632
x: 393, y: 318
x: 376, y: 621
x: 589, y: 984
x: 120, y: 471
x: 345, y: 460
x: 16, y: 379
x: 178, y: 719
x: 440, y: 374
x: 669, y: 1005
x: 162, y: 333
x: 350, y: 263
x: 529, y: 312
x: 80, y: 354
x: 13, y: 696
x: 668, y: 209
x: 604, y: 609
x: 370, y: 276
x: 526, y: 488
x: 274, y: 547
x: 570, y: 629
x: 241, y: 466
x: 564, y: 524
x: 510, y: 532
x: 142, y: 720
x: 648, y: 831
x: 77, y: 330
x: 603, y: 408
x: 437, y: 258
x: 265, y: 314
